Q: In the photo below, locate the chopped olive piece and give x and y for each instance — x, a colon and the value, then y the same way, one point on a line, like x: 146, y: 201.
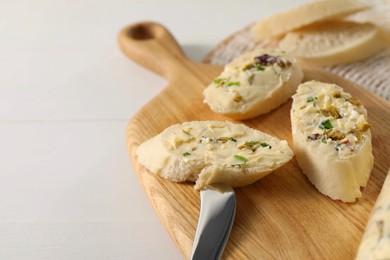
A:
x: 248, y: 66
x: 223, y: 139
x: 237, y: 97
x: 251, y: 78
x: 335, y: 135
x: 330, y: 111
x: 334, y: 112
x: 357, y: 133
x: 354, y: 101
x: 336, y: 94
x: 363, y: 126
x: 252, y: 145
x: 325, y: 112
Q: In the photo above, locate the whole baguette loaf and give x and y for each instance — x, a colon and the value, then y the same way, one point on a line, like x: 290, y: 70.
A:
x: 332, y: 139
x: 210, y: 152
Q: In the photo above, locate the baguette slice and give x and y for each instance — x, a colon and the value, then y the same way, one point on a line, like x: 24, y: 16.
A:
x: 334, y: 42
x: 332, y: 140
x: 210, y: 152
x: 375, y: 243
x: 279, y: 24
x: 254, y: 84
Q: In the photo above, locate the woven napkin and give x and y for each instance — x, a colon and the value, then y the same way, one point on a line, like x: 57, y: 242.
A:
x: 372, y: 74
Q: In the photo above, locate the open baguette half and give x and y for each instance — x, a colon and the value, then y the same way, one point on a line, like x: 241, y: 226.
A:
x: 254, y: 84
x: 211, y: 152
x: 334, y: 42
x: 332, y: 139
x: 279, y: 24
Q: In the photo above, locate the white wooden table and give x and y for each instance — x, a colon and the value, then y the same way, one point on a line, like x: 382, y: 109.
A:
x: 67, y: 187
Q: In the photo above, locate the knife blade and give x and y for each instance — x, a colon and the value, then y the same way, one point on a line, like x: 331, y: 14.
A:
x: 216, y: 217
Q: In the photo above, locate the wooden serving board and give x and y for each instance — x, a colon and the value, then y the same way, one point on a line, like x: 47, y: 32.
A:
x: 281, y: 216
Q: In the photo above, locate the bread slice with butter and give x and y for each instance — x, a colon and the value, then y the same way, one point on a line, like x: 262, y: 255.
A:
x: 375, y: 243
x: 281, y: 23
x: 254, y: 84
x: 334, y: 42
x: 209, y: 152
x: 332, y: 139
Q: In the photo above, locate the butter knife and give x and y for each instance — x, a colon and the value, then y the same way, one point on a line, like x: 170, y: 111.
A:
x: 216, y: 217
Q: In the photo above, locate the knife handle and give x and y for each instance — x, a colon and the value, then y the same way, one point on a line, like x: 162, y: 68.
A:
x: 151, y: 45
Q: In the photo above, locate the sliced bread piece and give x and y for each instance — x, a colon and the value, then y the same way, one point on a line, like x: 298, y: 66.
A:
x: 334, y: 42
x: 375, y: 243
x: 210, y: 152
x: 332, y: 139
x: 254, y: 84
x: 315, y: 11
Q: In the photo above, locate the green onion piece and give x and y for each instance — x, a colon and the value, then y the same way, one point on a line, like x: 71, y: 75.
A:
x: 186, y: 154
x: 310, y: 99
x: 260, y: 67
x: 326, y: 125
x: 266, y: 145
x: 324, y: 140
x: 241, y: 158
x: 233, y: 139
x: 233, y: 83
x: 218, y: 81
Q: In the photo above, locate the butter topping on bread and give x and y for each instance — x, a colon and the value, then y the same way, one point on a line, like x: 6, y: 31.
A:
x: 254, y: 84
x: 332, y: 139
x: 209, y: 152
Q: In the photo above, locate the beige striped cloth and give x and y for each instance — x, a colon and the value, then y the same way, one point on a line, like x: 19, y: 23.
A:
x: 372, y: 74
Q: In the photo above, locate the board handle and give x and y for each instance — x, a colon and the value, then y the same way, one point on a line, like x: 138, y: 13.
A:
x: 151, y: 45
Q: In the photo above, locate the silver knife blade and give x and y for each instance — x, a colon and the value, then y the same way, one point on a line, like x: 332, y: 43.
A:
x: 216, y: 217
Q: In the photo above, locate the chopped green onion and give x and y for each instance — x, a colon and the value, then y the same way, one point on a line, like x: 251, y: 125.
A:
x: 218, y: 81
x: 310, y: 99
x: 266, y: 145
x: 324, y: 140
x: 326, y: 125
x: 241, y: 158
x: 233, y: 139
x: 233, y: 83
x: 260, y: 67
x: 186, y: 154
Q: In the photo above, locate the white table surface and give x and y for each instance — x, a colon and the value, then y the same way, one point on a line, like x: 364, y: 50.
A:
x: 67, y: 186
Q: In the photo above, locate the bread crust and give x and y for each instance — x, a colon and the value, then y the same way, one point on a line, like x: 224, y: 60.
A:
x: 334, y: 42
x: 279, y: 24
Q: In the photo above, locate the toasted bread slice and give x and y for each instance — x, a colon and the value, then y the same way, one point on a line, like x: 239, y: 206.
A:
x: 279, y: 24
x: 334, y: 42
x: 332, y: 139
x: 254, y: 84
x: 210, y: 152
